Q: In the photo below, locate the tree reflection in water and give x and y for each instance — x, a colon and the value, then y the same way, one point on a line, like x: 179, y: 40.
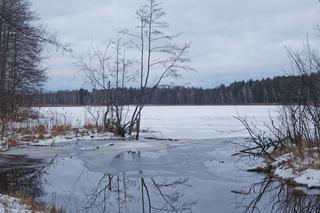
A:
x: 114, y: 193
x: 121, y: 194
x: 273, y: 196
x: 19, y: 174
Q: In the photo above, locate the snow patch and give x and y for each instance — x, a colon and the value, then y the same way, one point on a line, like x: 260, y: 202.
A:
x: 309, y: 177
x: 12, y: 205
x: 298, y: 170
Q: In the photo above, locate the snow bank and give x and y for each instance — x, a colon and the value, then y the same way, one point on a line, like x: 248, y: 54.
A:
x: 72, y: 138
x: 307, y: 177
x: 12, y: 205
x: 299, y: 171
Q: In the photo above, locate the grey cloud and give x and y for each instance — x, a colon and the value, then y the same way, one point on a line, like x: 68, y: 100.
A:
x: 231, y: 40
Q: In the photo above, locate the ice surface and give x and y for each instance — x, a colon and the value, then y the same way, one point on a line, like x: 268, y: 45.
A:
x: 202, y: 155
x: 199, y: 174
x: 203, y: 159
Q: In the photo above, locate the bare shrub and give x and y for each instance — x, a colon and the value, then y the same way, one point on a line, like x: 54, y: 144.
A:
x: 60, y: 130
x: 297, y: 128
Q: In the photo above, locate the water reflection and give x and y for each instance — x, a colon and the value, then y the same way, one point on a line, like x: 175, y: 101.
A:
x: 121, y: 194
x: 107, y: 193
x: 56, y: 181
x: 270, y: 195
x: 19, y: 174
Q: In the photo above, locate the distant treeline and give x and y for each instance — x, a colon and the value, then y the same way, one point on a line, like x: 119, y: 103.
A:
x: 267, y: 91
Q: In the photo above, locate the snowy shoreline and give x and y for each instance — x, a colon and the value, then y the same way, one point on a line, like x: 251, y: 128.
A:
x: 10, y: 204
x: 193, y: 131
x: 303, y: 172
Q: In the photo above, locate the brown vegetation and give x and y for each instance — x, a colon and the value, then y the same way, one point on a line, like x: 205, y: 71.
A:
x: 296, y: 130
x: 35, y: 206
x: 12, y: 143
x: 40, y: 130
x: 60, y: 130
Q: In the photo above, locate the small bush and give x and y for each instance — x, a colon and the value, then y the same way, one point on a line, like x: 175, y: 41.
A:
x: 89, y: 126
x: 24, y: 115
x: 12, y: 143
x: 24, y: 131
x: 40, y: 130
x: 60, y: 130
x: 29, y: 138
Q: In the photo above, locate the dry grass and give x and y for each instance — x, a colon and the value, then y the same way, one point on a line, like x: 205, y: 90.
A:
x: 55, y: 210
x: 100, y: 128
x: 312, y: 165
x: 302, y: 156
x: 40, y: 130
x: 89, y: 126
x: 37, y: 206
x: 27, y: 200
x: 24, y: 115
x: 29, y: 138
x: 60, y: 130
x: 32, y: 134
x: 24, y: 131
x: 299, y: 150
x: 12, y: 143
x: 93, y: 128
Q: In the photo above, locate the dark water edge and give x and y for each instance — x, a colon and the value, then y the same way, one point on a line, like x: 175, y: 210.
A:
x: 66, y: 182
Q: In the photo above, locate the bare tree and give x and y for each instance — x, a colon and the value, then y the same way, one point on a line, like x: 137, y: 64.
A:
x: 21, y: 43
x: 107, y: 69
x: 160, y: 56
x: 115, y: 193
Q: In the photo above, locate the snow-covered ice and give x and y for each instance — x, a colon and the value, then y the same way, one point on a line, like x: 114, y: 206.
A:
x: 184, y: 122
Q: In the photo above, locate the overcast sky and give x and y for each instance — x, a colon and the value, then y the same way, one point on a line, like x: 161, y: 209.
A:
x: 231, y: 39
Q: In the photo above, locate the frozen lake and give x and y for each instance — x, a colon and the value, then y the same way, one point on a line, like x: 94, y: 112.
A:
x: 197, y: 173
x: 182, y: 122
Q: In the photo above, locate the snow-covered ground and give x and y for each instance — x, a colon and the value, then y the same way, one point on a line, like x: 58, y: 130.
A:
x: 12, y: 205
x: 304, y: 172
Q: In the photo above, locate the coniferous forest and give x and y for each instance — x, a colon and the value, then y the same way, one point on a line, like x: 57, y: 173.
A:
x: 277, y: 90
